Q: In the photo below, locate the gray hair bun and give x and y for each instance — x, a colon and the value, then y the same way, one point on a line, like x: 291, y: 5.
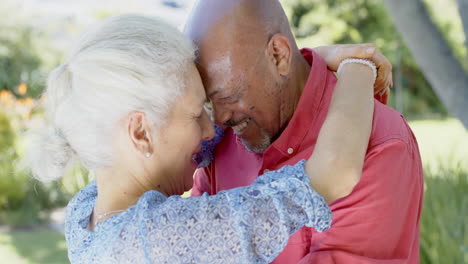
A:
x: 49, y: 154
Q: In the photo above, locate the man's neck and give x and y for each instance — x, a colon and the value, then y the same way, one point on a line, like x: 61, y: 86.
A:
x: 299, y: 76
x: 302, y: 73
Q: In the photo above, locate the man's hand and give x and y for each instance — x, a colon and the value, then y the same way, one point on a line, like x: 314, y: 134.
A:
x: 335, y: 54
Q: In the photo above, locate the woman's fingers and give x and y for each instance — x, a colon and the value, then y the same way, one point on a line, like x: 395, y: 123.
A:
x: 360, y: 51
x: 335, y: 54
x: 384, y: 71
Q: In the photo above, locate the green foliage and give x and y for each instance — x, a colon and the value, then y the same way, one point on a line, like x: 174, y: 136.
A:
x: 444, y: 227
x: 19, y: 60
x: 12, y: 185
x: 22, y: 197
x: 322, y: 22
x: 75, y: 179
x: 25, y: 57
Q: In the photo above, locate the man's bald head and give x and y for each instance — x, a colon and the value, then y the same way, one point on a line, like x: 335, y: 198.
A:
x: 263, y: 18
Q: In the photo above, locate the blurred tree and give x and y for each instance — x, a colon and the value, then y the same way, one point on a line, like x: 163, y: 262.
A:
x: 320, y: 22
x: 463, y: 9
x: 433, y: 54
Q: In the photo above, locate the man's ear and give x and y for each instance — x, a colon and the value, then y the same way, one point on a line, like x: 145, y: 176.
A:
x: 279, y: 50
x: 138, y: 130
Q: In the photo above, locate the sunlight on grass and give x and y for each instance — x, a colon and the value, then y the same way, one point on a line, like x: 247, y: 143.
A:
x: 8, y: 251
x: 443, y: 144
x: 444, y: 150
x: 37, y: 246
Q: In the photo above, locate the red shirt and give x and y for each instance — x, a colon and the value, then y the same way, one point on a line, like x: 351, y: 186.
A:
x: 378, y: 222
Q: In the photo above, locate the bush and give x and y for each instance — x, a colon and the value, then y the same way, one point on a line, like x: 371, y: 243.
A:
x: 20, y: 56
x: 444, y: 237
x: 22, y: 197
x: 322, y: 22
x: 12, y: 185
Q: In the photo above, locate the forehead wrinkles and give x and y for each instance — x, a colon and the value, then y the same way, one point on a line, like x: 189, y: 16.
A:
x: 224, y: 63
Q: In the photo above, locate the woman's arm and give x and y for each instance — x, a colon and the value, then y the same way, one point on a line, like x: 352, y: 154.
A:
x: 336, y: 164
x: 249, y: 224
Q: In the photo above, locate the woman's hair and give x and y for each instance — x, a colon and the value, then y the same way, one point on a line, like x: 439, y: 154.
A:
x: 123, y: 64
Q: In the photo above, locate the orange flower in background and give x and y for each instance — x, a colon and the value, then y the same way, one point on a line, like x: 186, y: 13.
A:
x: 22, y: 88
x: 25, y: 101
x: 28, y: 101
x: 6, y: 97
x: 23, y: 107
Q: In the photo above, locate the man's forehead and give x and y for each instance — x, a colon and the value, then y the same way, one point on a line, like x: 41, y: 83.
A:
x: 217, y: 75
x: 209, y: 16
x: 220, y: 63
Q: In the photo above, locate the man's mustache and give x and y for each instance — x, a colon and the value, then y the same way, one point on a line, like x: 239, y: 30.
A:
x: 231, y: 123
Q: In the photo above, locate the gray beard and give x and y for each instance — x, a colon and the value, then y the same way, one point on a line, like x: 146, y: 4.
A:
x: 258, y: 148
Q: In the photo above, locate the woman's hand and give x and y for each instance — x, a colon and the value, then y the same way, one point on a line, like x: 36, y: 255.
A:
x: 335, y: 54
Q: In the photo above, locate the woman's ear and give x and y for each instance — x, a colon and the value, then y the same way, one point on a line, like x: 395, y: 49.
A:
x: 139, y: 132
x: 279, y: 50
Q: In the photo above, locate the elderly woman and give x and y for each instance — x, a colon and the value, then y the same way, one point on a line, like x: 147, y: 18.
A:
x: 129, y: 104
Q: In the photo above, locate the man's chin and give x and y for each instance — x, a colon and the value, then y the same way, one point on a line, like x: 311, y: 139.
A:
x: 258, y: 148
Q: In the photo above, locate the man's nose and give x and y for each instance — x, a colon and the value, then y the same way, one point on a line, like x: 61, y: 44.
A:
x: 221, y: 115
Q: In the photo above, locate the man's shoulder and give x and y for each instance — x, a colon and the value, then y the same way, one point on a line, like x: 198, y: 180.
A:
x: 389, y: 124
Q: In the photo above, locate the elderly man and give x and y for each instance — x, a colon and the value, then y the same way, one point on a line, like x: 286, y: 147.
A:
x: 272, y: 98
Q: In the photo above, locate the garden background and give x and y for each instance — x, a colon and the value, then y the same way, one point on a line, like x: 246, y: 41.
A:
x: 34, y: 35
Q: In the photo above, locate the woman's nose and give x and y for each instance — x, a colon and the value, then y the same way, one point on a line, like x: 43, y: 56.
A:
x: 208, y: 131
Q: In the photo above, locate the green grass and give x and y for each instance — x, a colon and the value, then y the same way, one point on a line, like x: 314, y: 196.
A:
x: 444, y: 224
x: 33, y: 246
x: 443, y: 144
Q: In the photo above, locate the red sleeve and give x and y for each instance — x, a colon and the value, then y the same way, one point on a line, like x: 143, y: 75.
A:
x: 379, y: 221
x: 201, y: 182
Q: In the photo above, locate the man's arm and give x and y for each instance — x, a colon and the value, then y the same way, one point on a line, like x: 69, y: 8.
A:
x: 379, y: 221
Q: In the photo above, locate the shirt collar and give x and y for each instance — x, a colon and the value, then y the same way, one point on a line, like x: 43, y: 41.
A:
x: 308, y: 107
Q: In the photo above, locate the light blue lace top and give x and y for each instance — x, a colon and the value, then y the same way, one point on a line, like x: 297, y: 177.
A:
x: 244, y: 225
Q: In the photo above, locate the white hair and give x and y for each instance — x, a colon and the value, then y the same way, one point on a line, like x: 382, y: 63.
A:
x: 125, y: 63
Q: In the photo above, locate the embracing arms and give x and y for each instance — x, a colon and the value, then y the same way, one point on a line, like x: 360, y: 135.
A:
x: 252, y: 224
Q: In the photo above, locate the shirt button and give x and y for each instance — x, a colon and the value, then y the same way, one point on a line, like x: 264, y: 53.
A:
x: 290, y: 150
x: 266, y: 170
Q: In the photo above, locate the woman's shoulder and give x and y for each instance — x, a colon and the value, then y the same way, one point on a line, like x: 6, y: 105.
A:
x: 77, y: 216
x: 88, y: 191
x: 83, y: 201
